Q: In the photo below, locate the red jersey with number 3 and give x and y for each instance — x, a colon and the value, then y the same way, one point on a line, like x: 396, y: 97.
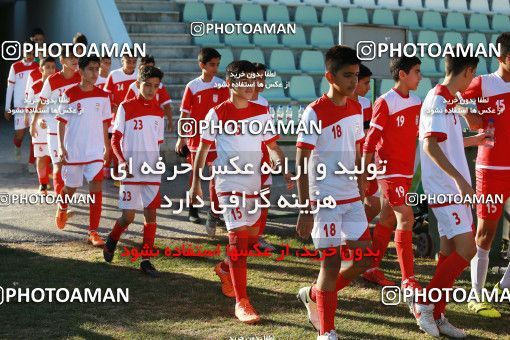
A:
x: 393, y: 131
x: 497, y: 91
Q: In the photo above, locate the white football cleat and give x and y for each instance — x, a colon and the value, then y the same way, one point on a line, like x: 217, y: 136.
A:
x: 311, y: 307
x: 424, y: 315
x: 331, y: 335
x: 448, y: 329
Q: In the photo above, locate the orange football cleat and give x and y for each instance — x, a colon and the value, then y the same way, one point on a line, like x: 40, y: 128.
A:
x: 95, y: 239
x: 226, y: 282
x: 246, y: 313
x: 61, y: 218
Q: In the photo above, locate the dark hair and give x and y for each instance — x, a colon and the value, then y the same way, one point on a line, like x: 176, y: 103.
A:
x: 30, y: 42
x: 37, y: 31
x: 207, y: 53
x: 402, y: 64
x: 48, y: 59
x: 504, y: 42
x: 80, y: 38
x: 147, y: 60
x: 150, y: 72
x: 364, y: 72
x: 132, y: 52
x: 456, y: 65
x: 240, y: 66
x: 340, y: 56
x: 85, y: 61
x: 260, y: 67
x: 105, y: 57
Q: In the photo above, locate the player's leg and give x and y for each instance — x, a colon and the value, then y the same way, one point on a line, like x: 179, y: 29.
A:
x: 213, y: 219
x: 121, y: 225
x: 372, y: 201
x: 193, y: 215
x: 19, y: 133
x: 381, y: 238
x: 72, y: 177
x: 94, y: 174
x: 263, y: 244
x: 151, y: 199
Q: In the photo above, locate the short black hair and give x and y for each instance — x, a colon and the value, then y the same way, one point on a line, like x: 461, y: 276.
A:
x: 37, y: 31
x: 240, y: 66
x: 364, y: 72
x: 80, y: 38
x: 503, y: 41
x: 260, y: 67
x: 340, y: 56
x: 132, y: 52
x: 457, y: 65
x: 150, y: 72
x: 206, y: 54
x: 48, y: 59
x: 83, y: 62
x: 402, y: 64
x: 147, y: 60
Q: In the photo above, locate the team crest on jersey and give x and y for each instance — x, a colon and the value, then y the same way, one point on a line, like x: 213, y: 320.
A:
x: 215, y: 98
x: 20, y: 75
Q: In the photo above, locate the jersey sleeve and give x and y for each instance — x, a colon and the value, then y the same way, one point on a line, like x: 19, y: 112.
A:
x: 30, y: 98
x: 380, y: 116
x: 108, y: 86
x: 11, y: 80
x: 118, y: 131
x: 308, y: 140
x: 120, y: 120
x: 187, y: 100
x: 359, y: 132
x: 164, y: 97
x: 474, y: 89
x: 434, y: 121
x: 209, y: 135
x: 161, y: 131
x: 107, y: 112
x: 224, y: 93
x: 129, y: 94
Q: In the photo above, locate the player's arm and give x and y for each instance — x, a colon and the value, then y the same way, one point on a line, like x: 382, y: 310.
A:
x: 167, y: 109
x: 475, y: 140
x: 185, y: 113
x: 61, y: 130
x: 432, y: 149
x: 11, y: 80
x: 379, y: 119
x: 304, y: 224
x: 276, y: 153
x: 474, y: 91
x: 198, y: 165
x: 362, y: 184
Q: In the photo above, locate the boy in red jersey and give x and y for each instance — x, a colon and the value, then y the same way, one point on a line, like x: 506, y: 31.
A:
x: 200, y: 95
x: 241, y: 221
x: 138, y: 132
x: 392, y: 137
x: 47, y: 68
x: 342, y: 129
x: 492, y: 167
x: 83, y: 143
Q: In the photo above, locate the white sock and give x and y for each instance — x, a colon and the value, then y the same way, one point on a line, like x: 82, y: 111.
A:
x: 479, y: 267
x: 505, y: 281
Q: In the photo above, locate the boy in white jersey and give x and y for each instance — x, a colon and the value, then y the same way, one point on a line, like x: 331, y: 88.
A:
x: 49, y: 100
x: 342, y: 130
x: 138, y: 132
x: 83, y: 143
x: 104, y: 70
x: 15, y: 95
x: 40, y: 143
x: 445, y: 171
x: 492, y: 167
x: 241, y: 221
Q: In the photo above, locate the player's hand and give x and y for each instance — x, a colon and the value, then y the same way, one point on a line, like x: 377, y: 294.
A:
x: 289, y: 181
x: 179, y: 145
x: 106, y: 154
x: 362, y: 185
x: 479, y: 138
x: 33, y: 129
x: 62, y: 153
x: 124, y: 166
x: 465, y: 188
x: 304, y: 225
x: 195, y: 191
x: 8, y: 114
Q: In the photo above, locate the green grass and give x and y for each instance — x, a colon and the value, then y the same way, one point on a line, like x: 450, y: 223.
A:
x: 186, y: 302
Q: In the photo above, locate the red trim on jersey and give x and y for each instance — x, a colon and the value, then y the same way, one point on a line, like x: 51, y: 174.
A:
x: 439, y: 205
x: 303, y: 145
x: 140, y: 183
x: 441, y: 136
x: 400, y: 93
x: 37, y: 86
x: 272, y: 139
x: 206, y: 141
x: 12, y: 82
x: 39, y: 143
x: 140, y: 107
x: 52, y: 134
x: 329, y: 113
x: 60, y: 119
x: 116, y: 147
x: 161, y: 141
x: 20, y: 66
x: 83, y: 163
x: 75, y: 93
x: 57, y: 80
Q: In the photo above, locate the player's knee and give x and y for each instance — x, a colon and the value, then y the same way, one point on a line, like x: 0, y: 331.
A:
x: 331, y: 266
x: 127, y: 218
x: 468, y: 251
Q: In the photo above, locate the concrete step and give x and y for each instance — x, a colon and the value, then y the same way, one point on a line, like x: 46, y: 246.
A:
x: 156, y: 27
x: 166, y: 51
x: 146, y: 5
x: 152, y: 16
x: 179, y: 77
x: 162, y: 38
x: 175, y: 90
x: 176, y: 64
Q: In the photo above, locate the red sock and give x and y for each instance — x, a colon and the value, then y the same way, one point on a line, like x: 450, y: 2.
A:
x: 17, y: 142
x: 238, y: 270
x: 117, y: 231
x: 42, y: 174
x: 213, y: 197
x: 149, y: 234
x: 440, y: 306
x: 326, y: 306
x: 58, y: 182
x: 404, y: 245
x: 381, y: 239
x: 263, y: 216
x: 225, y: 265
x: 446, y: 273
x: 341, y: 282
x: 64, y: 205
x: 95, y: 210
x: 31, y: 159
